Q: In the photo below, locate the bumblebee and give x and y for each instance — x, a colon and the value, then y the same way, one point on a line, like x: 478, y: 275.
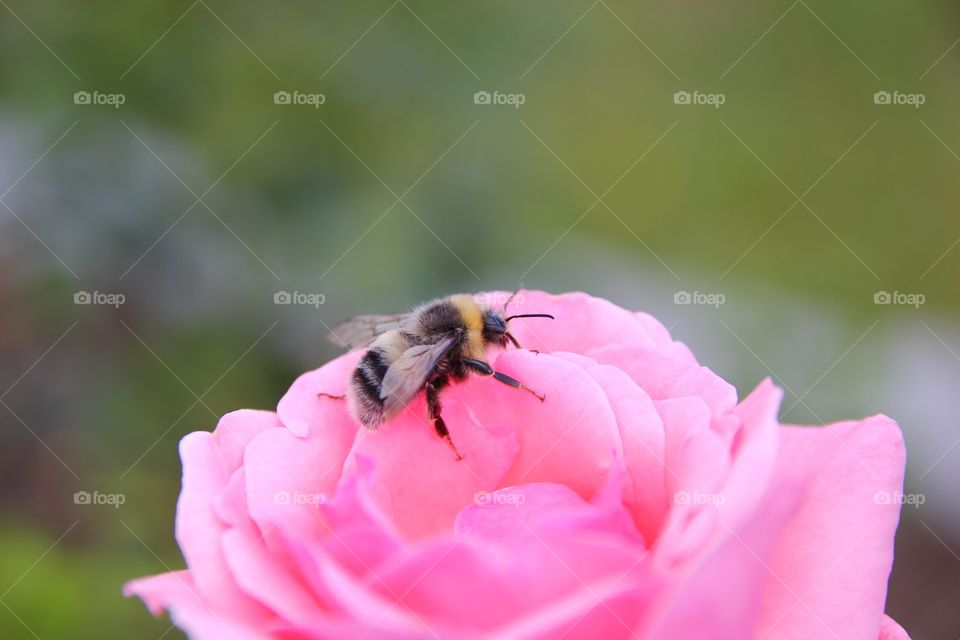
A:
x: 438, y: 343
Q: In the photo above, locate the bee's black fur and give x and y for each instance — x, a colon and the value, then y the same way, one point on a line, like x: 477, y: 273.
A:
x: 375, y: 361
x: 369, y: 376
x: 436, y: 322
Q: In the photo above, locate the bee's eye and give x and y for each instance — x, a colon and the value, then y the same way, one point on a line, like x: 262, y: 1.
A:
x: 494, y: 324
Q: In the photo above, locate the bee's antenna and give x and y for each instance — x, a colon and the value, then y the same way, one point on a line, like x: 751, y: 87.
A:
x: 510, y: 299
x: 529, y: 315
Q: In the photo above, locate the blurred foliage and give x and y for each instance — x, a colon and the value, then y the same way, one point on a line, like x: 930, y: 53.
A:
x: 497, y: 195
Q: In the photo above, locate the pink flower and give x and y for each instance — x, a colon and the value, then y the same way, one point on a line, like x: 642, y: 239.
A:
x: 639, y: 500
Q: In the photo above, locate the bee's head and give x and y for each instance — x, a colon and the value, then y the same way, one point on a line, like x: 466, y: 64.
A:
x: 495, y: 327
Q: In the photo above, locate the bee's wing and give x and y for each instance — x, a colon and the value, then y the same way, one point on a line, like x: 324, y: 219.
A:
x: 407, y: 375
x: 361, y: 330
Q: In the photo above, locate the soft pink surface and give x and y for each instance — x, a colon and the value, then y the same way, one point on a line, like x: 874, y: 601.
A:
x: 639, y: 500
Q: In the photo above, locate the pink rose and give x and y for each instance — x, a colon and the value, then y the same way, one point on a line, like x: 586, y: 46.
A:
x: 639, y: 500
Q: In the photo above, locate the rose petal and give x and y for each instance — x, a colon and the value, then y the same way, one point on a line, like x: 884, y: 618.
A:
x: 544, y: 508
x: 509, y: 559
x: 547, y: 586
x: 176, y: 592
x: 339, y: 566
x: 420, y: 483
x: 834, y: 558
x: 570, y: 438
x: 654, y: 328
x: 302, y: 411
x: 890, y: 630
x: 230, y: 504
x: 755, y: 453
x: 642, y: 437
x: 697, y: 461
x: 198, y: 529
x: 581, y: 323
x: 237, y: 428
x: 670, y: 372
x: 718, y: 597
x: 696, y: 458
x: 607, y: 609
x: 366, y: 608
x: 269, y: 576
x: 288, y: 477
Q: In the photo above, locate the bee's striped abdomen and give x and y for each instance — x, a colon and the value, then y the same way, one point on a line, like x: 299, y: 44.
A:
x: 371, y: 369
x: 363, y: 395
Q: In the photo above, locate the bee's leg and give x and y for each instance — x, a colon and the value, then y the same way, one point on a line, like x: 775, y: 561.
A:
x: 505, y: 379
x: 484, y: 369
x: 330, y: 395
x: 433, y: 412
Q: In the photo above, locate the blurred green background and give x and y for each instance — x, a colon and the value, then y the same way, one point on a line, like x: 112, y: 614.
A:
x: 796, y: 202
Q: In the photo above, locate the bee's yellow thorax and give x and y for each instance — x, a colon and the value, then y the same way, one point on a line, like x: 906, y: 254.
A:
x: 472, y: 316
